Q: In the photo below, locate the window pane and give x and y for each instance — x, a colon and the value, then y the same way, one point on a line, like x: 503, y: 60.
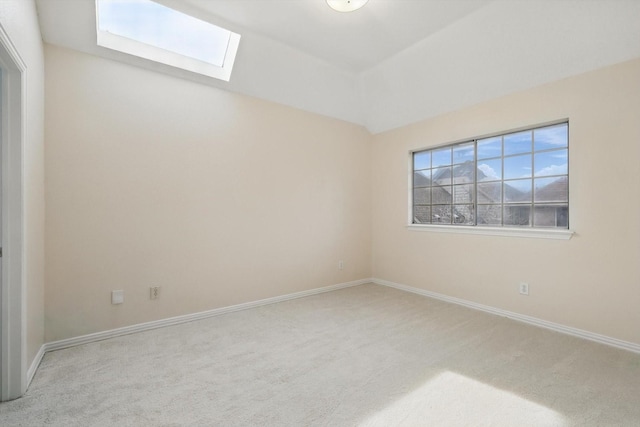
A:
x: 517, y: 191
x: 441, y: 214
x: 422, y: 160
x: 422, y: 178
x: 490, y: 147
x: 463, y: 153
x: 496, y: 181
x: 441, y: 195
x: 517, y: 167
x: 463, y: 193
x: 551, y: 163
x: 490, y: 192
x: 463, y: 214
x: 463, y: 173
x: 490, y: 170
x: 517, y: 215
x: 517, y: 143
x: 421, y: 196
x: 551, y: 216
x: 442, y: 176
x: 552, y: 189
x: 421, y: 214
x: 441, y: 157
x: 556, y: 136
x: 490, y: 215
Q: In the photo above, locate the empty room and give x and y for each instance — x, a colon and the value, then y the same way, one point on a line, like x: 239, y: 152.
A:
x: 320, y: 212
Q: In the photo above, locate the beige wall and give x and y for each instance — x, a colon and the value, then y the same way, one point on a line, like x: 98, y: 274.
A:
x: 19, y: 20
x: 218, y: 198
x: 592, y: 281
x: 222, y: 199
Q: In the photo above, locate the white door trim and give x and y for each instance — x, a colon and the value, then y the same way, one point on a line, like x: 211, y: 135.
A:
x: 13, y: 354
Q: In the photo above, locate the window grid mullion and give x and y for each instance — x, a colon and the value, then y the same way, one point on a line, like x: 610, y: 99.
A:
x: 475, y: 182
x: 533, y: 210
x: 459, y: 196
x: 502, y: 182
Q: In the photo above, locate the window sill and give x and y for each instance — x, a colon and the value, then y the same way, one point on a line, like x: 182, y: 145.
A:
x: 536, y: 233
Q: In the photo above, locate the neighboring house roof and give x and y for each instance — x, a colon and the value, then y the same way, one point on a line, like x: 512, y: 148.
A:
x: 442, y: 179
x: 557, y: 190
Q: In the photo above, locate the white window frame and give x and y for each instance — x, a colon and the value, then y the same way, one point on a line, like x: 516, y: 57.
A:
x: 502, y: 231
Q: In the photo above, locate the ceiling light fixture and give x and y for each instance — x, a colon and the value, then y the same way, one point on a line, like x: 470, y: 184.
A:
x: 346, y: 5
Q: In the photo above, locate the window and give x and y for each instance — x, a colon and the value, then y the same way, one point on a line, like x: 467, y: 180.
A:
x: 518, y: 179
x: 155, y: 32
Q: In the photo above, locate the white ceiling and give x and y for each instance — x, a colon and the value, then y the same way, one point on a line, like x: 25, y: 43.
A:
x: 393, y: 62
x: 352, y: 41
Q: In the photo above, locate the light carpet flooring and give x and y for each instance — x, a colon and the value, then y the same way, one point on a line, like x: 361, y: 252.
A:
x: 362, y: 356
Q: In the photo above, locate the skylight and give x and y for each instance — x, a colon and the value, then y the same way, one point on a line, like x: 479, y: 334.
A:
x: 152, y: 31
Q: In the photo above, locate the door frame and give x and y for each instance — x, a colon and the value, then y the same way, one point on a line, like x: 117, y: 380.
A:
x: 13, y: 337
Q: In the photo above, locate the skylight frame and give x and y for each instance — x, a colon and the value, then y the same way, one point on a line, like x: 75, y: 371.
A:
x: 149, y: 52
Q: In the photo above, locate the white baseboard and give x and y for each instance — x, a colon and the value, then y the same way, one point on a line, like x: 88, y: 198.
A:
x: 99, y: 336
x: 34, y: 364
x: 602, y: 339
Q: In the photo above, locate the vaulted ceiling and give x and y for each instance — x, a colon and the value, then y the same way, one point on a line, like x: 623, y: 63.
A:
x: 393, y: 62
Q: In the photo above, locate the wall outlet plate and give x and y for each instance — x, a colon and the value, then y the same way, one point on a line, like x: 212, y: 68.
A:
x: 154, y: 292
x: 117, y: 297
x: 524, y: 288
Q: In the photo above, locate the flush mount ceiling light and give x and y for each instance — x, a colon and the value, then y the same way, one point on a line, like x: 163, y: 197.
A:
x: 346, y: 5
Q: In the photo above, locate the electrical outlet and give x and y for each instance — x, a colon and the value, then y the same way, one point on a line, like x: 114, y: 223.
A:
x: 154, y: 292
x: 340, y: 265
x: 524, y: 288
x: 117, y: 297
